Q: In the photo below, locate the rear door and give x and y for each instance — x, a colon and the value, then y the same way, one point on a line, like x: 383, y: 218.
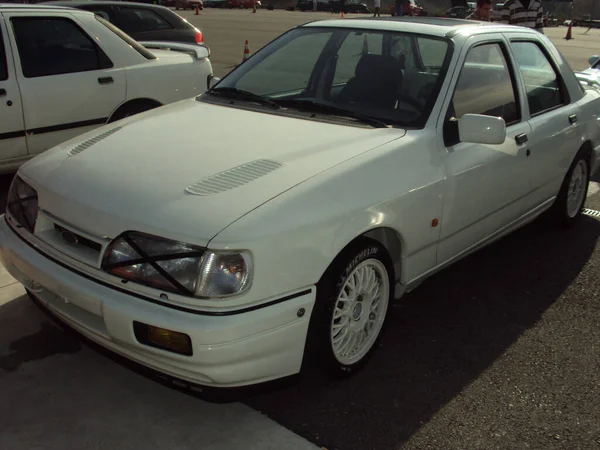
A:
x: 554, y: 138
x: 13, y: 144
x: 69, y: 84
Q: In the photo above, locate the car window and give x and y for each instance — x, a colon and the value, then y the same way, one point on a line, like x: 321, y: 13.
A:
x: 101, y: 12
x: 431, y: 52
x: 53, y: 46
x: 485, y: 85
x: 138, y: 20
x: 3, y: 63
x: 288, y: 69
x: 351, y: 51
x: 128, y: 39
x: 544, y: 87
x: 368, y: 72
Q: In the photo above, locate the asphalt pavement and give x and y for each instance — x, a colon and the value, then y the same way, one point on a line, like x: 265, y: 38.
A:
x: 498, y: 351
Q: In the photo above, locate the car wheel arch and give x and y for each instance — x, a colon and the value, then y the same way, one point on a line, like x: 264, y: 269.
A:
x: 390, y: 239
x: 134, y: 103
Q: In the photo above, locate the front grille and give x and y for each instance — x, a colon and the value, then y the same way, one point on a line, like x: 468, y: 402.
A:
x: 70, y: 240
x: 81, y: 240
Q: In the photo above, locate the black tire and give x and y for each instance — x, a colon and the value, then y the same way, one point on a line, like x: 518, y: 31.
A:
x: 319, y: 351
x: 560, y: 210
x: 131, y: 110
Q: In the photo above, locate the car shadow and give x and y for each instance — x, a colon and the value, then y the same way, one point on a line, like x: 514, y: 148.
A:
x: 439, y: 340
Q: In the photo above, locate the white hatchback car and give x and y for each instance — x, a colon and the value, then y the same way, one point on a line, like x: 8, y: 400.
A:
x: 64, y: 71
x: 368, y: 154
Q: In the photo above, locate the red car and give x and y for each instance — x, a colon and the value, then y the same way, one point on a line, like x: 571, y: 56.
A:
x: 411, y: 8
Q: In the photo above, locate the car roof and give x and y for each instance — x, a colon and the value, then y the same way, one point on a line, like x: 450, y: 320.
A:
x: 435, y: 26
x: 78, y: 3
x: 4, y: 7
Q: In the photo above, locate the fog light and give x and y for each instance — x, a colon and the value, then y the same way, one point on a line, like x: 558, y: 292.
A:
x: 162, y: 338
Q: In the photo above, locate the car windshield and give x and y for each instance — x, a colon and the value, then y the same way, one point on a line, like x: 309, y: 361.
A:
x: 393, y: 77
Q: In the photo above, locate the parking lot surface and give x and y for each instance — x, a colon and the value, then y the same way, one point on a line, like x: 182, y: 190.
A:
x: 498, y: 351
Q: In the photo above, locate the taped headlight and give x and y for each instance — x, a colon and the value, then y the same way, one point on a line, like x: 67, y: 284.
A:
x: 224, y: 273
x: 153, y: 261
x: 177, y: 267
x: 22, y: 203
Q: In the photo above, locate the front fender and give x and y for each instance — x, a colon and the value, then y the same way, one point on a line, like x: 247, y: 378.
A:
x: 295, y: 236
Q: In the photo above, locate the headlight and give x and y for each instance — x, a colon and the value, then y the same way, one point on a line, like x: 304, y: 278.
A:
x: 224, y: 274
x: 23, y: 203
x: 177, y: 267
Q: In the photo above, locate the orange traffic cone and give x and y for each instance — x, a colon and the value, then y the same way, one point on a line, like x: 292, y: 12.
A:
x: 569, y: 36
x: 342, y: 16
x: 246, y: 51
x: 197, y: 9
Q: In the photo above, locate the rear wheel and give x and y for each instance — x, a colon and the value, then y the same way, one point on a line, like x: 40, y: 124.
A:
x: 571, y: 197
x: 353, y: 297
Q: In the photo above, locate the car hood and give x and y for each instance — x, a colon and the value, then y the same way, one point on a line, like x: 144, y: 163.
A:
x: 133, y: 174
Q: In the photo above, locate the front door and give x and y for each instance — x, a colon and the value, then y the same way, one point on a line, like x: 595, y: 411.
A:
x: 68, y: 82
x: 486, y: 185
x: 13, y: 145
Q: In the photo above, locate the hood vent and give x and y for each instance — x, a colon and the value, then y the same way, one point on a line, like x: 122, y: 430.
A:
x: 233, y: 178
x: 87, y: 144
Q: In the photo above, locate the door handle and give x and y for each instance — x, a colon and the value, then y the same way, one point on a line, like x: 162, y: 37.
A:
x: 2, y: 92
x: 572, y: 118
x: 521, y: 138
x: 105, y: 80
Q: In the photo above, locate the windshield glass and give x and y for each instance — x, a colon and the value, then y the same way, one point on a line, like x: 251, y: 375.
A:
x: 391, y: 76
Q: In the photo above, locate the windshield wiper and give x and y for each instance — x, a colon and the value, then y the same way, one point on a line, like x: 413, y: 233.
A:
x: 231, y: 92
x: 326, y: 108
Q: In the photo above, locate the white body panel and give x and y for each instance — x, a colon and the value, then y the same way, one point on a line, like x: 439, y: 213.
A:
x: 13, y: 145
x: 59, y: 107
x: 428, y: 204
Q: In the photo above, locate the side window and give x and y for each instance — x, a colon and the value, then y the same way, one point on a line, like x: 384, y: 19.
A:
x: 544, y: 89
x: 138, y: 20
x: 432, y: 52
x: 56, y: 45
x: 485, y: 85
x: 291, y: 73
x: 351, y: 51
x: 3, y: 62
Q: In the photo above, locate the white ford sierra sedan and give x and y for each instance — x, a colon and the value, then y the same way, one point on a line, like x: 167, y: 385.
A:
x: 367, y: 155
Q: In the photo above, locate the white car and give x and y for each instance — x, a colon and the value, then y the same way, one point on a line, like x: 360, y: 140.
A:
x: 65, y: 71
x: 591, y: 75
x: 367, y: 156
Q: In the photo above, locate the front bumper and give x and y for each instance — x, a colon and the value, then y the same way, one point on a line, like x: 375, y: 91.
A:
x: 228, y: 351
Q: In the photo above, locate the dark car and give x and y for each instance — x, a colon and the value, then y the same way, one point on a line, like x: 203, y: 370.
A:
x: 141, y: 21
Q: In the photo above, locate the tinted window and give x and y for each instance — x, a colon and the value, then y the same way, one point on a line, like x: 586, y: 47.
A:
x: 369, y: 72
x: 3, y: 64
x: 351, y: 51
x: 136, y: 46
x: 544, y: 90
x: 137, y: 20
x: 52, y: 46
x: 287, y: 69
x: 485, y: 85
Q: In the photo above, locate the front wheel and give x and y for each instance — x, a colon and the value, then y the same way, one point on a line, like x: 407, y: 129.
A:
x: 353, y: 297
x: 571, y: 197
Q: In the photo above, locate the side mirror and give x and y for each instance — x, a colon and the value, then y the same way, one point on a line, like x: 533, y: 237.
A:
x: 213, y: 82
x: 592, y: 59
x: 480, y: 129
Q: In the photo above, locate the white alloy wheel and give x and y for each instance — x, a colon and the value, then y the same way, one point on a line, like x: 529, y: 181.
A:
x: 577, y: 189
x: 359, y: 311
